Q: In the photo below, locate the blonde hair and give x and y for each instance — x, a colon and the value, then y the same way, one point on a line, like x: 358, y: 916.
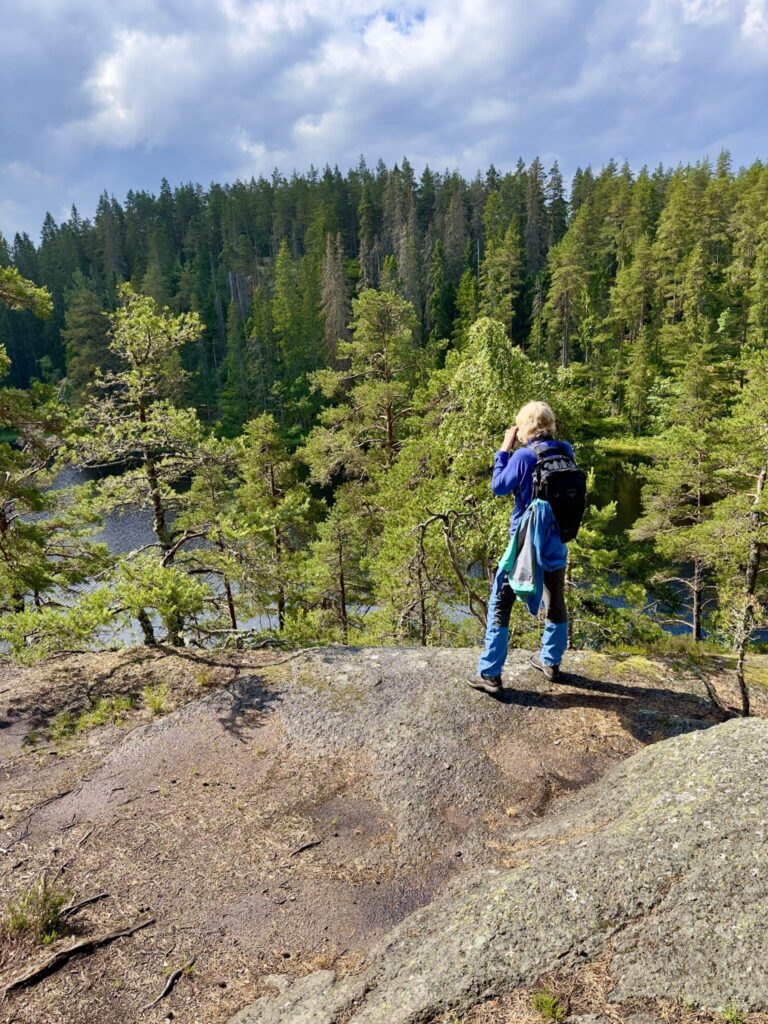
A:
x: 535, y: 419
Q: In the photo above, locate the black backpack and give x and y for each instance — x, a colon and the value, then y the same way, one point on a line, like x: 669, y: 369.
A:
x: 558, y: 480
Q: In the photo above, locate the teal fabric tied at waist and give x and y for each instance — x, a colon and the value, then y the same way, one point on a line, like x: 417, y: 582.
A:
x: 535, y: 548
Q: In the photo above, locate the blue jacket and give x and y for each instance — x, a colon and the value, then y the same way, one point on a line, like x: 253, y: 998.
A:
x: 536, y: 548
x: 515, y: 476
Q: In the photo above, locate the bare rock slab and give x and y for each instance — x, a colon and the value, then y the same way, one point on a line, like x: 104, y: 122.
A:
x: 661, y: 867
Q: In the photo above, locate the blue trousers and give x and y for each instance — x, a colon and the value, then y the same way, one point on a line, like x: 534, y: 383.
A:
x: 555, y: 638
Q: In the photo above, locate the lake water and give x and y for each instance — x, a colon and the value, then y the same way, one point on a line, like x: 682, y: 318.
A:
x: 616, y: 480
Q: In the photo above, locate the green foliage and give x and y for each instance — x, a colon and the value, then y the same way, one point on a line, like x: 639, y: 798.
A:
x: 144, y: 584
x: 107, y: 711
x: 34, y: 633
x: 36, y: 913
x: 363, y: 432
x: 548, y: 1005
x: 18, y: 293
x: 731, y: 1014
x: 270, y: 520
x: 85, y: 338
x: 155, y: 696
x: 640, y: 302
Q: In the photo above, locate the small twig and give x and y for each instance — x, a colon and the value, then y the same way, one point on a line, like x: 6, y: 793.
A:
x: 88, y: 834
x: 73, y: 908
x: 172, y: 979
x: 305, y: 846
x: 82, y: 948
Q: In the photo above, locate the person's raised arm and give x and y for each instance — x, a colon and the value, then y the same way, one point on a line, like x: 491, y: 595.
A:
x: 510, y: 440
x: 504, y: 469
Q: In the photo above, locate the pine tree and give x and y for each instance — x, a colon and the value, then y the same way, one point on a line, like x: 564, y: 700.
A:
x: 467, y: 306
x: 363, y: 432
x: 270, y: 521
x: 236, y: 393
x: 129, y: 422
x: 568, y: 300
x: 680, y: 487
x: 640, y: 377
x: 47, y: 552
x: 263, y: 369
x: 738, y: 532
x: 455, y: 232
x: 286, y: 308
x: 17, y: 292
x: 335, y: 577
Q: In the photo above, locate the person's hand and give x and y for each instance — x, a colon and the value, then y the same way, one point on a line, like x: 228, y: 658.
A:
x: 510, y: 439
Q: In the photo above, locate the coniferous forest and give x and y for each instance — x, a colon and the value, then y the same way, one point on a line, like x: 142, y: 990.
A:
x: 303, y: 380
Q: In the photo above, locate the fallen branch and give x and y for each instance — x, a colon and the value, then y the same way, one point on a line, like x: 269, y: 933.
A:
x: 305, y: 846
x: 88, y: 834
x: 82, y: 948
x: 172, y: 979
x: 73, y: 908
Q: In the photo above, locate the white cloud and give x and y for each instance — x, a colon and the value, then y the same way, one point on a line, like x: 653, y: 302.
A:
x: 754, y: 26
x: 125, y: 92
x: 707, y: 12
x: 23, y: 172
x: 138, y: 88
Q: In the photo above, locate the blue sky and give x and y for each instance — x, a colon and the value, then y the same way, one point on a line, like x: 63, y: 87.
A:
x: 117, y: 95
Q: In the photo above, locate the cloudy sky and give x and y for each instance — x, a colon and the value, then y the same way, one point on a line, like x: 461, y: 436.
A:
x: 117, y: 95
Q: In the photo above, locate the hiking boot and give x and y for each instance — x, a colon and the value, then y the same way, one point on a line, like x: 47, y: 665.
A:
x: 551, y: 672
x: 488, y: 684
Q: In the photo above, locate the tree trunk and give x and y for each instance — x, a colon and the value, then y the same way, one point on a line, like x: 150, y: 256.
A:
x: 566, y: 339
x: 278, y: 549
x: 698, y: 578
x: 390, y: 443
x: 744, y: 629
x: 230, y: 603
x: 423, y: 624
x: 342, y: 598
x: 228, y: 589
x: 159, y: 522
x: 147, y: 628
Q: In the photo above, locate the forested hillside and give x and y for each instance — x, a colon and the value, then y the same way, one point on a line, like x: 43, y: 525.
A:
x: 304, y: 381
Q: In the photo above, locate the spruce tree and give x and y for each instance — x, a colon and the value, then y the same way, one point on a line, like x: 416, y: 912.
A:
x: 500, y: 276
x: 439, y: 300
x: 85, y: 337
x: 335, y: 299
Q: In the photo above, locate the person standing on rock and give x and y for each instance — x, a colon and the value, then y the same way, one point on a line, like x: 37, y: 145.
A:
x: 550, y: 494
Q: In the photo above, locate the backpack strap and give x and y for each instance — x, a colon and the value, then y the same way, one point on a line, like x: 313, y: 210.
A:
x: 553, y: 447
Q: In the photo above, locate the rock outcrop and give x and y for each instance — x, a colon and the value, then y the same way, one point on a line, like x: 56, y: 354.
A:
x: 284, y: 812
x: 661, y: 867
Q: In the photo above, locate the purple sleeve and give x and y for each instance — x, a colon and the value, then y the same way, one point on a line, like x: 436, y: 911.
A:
x: 506, y: 473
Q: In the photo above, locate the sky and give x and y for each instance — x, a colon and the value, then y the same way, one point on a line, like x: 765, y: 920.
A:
x: 115, y: 96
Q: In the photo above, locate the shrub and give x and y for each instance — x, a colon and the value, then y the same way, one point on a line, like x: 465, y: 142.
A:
x: 156, y: 697
x: 548, y: 1006
x: 109, y: 710
x: 36, y: 913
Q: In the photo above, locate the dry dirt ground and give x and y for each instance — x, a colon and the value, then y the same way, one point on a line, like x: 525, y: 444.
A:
x: 283, y: 812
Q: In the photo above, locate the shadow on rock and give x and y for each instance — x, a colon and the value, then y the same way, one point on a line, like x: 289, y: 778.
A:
x: 649, y: 713
x: 244, y: 705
